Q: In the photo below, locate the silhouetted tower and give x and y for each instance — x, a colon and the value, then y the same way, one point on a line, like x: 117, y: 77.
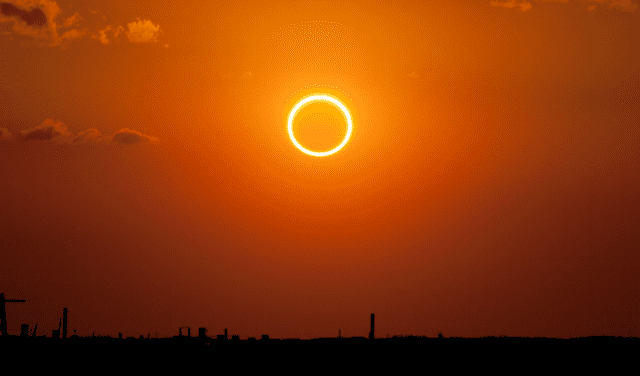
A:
x: 24, y: 330
x: 188, y: 331
x: 202, y: 332
x: 225, y: 333
x: 373, y: 324
x: 34, y: 331
x: 65, y: 313
x: 3, y: 312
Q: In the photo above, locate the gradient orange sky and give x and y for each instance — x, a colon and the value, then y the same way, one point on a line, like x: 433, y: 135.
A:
x: 490, y: 187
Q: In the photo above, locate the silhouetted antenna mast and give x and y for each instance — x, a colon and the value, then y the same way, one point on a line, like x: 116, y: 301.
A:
x: 3, y: 312
x: 65, y: 313
x: 373, y: 325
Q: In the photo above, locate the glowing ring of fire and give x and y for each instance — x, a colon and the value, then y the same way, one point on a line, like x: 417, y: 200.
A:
x: 320, y: 97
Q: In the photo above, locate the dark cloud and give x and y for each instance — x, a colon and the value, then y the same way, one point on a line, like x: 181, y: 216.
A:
x: 45, y: 134
x: 42, y: 20
x: 128, y: 136
x: 34, y: 17
x: 88, y: 135
x: 47, y: 131
x: 56, y: 132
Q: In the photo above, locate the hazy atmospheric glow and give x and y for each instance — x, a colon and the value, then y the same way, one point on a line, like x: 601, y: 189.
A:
x: 313, y: 98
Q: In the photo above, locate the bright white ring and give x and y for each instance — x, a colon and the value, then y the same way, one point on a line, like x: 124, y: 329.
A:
x: 320, y: 97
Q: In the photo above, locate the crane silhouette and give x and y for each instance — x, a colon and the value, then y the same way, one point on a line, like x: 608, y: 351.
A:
x: 3, y: 312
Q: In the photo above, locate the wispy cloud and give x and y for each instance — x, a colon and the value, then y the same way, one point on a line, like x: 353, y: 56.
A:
x: 108, y: 32
x: 143, y: 32
x: 246, y: 75
x: 623, y: 5
x: 56, y: 132
x: 524, y: 5
x: 43, y: 21
x: 73, y: 20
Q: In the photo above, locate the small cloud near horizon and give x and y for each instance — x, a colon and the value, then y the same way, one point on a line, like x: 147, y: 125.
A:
x: 128, y: 136
x: 56, y: 132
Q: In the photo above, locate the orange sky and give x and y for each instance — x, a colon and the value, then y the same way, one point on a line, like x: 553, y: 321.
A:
x: 490, y: 186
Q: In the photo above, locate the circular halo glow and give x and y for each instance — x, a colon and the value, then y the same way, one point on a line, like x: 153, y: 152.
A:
x: 313, y: 98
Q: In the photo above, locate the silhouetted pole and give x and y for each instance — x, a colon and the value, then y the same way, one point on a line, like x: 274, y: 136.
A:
x: 3, y: 312
x: 373, y: 324
x: 65, y: 312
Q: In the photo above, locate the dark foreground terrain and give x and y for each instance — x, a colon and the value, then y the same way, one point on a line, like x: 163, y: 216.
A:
x: 455, y: 352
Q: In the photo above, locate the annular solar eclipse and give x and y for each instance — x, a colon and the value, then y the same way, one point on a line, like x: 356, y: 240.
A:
x: 317, y: 98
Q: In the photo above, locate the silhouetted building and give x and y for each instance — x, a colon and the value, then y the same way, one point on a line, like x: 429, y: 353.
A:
x: 220, y: 336
x: 119, y: 335
x: 202, y: 332
x: 55, y: 333
x: 235, y: 337
x: 24, y: 330
x: 225, y: 333
x: 3, y: 312
x: 65, y: 312
x: 265, y: 336
x: 372, y: 332
x: 188, y: 331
